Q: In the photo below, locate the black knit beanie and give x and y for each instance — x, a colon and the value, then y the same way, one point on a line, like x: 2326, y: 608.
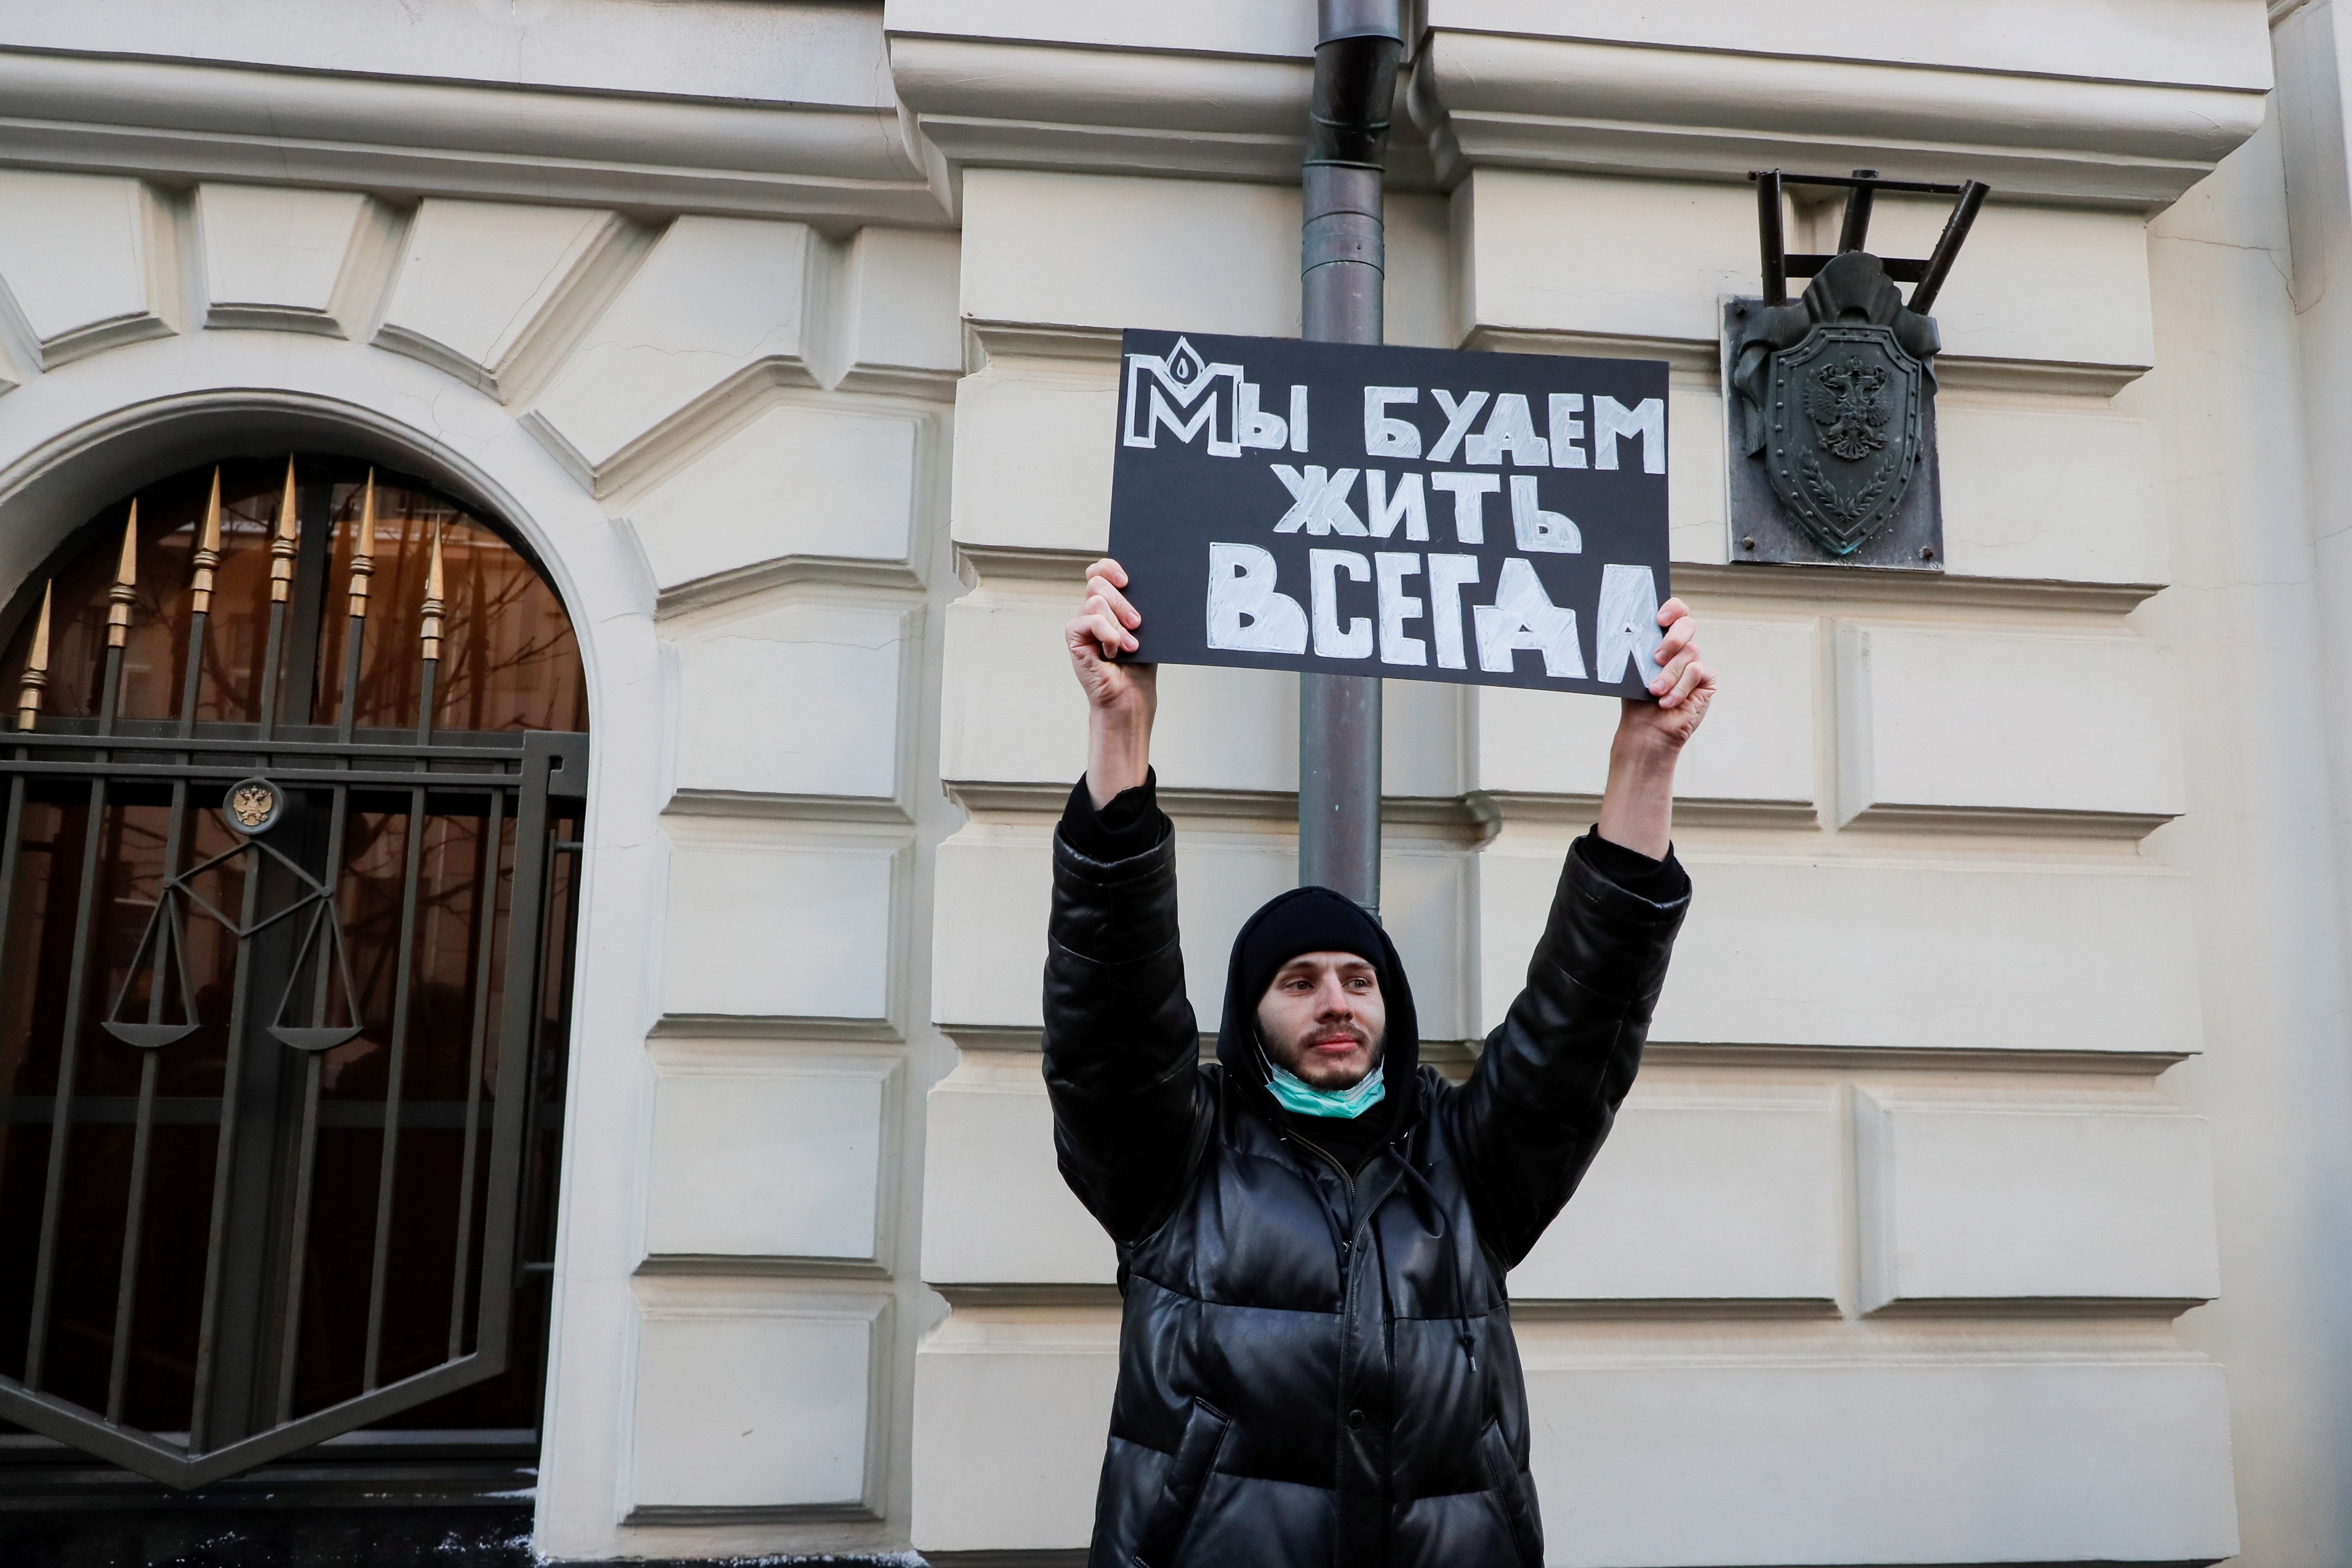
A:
x: 1308, y: 920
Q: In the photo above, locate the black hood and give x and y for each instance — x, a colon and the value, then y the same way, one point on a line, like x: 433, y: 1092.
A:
x: 1237, y: 1043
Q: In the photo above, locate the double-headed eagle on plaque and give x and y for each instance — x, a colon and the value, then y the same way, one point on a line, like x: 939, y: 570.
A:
x: 1838, y: 379
x: 1833, y: 389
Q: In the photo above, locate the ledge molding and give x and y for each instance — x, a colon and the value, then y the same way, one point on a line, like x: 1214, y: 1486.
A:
x: 775, y: 1026
x: 1083, y: 106
x: 179, y: 120
x: 1847, y: 587
x: 1504, y: 99
x: 2031, y: 822
x: 731, y: 803
x: 1911, y: 1058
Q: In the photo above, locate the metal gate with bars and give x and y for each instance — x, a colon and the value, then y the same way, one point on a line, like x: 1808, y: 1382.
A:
x: 284, y: 946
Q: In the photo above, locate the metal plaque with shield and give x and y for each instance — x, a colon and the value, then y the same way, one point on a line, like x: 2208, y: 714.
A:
x: 1844, y: 442
x: 1830, y: 398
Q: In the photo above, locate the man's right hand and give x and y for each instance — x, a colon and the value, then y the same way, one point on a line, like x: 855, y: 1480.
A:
x: 1120, y: 698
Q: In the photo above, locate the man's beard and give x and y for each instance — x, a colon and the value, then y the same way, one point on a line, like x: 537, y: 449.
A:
x: 1298, y: 1055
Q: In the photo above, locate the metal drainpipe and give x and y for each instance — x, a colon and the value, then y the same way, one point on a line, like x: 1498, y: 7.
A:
x: 1343, y: 254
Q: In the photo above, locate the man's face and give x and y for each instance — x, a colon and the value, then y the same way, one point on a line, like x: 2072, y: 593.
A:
x: 1323, y: 1019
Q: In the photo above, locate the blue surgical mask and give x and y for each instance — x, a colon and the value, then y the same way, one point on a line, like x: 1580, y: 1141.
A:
x: 1297, y: 1095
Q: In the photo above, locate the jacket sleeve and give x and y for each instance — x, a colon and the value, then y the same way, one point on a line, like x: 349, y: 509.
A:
x: 1122, y: 1050
x: 1548, y: 1084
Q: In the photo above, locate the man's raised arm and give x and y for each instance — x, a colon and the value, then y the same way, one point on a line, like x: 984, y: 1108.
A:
x: 1121, y: 1044
x: 1548, y: 1084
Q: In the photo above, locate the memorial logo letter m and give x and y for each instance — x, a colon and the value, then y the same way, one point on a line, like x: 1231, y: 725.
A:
x: 1187, y: 396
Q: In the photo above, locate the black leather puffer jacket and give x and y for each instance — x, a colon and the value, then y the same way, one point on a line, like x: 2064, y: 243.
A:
x: 1314, y: 1369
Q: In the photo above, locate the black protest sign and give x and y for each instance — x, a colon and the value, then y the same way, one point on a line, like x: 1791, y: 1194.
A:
x: 1488, y: 519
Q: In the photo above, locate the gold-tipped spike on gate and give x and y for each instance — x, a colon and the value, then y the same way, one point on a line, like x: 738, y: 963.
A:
x: 36, y: 664
x: 208, y: 554
x: 430, y: 633
x: 126, y: 582
x: 363, y: 551
x: 283, y: 544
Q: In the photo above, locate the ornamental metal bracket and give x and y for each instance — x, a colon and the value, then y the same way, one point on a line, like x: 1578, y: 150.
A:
x: 1830, y: 400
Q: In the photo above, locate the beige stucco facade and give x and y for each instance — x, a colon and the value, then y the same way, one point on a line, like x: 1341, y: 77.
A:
x: 1986, y: 1194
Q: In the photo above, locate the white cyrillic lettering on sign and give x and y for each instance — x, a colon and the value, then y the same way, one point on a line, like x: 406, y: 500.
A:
x: 1537, y: 530
x: 1331, y: 639
x: 1448, y: 576
x: 1299, y: 419
x: 1510, y: 433
x: 1470, y: 491
x: 1318, y: 501
x: 1383, y: 509
x: 1259, y: 428
x: 1626, y: 624
x: 1457, y: 421
x: 1396, y: 609
x: 1566, y: 430
x: 1646, y: 419
x: 1385, y: 435
x: 1523, y: 616
x: 1244, y: 612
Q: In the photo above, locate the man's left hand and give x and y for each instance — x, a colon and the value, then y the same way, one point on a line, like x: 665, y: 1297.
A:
x: 1684, y: 686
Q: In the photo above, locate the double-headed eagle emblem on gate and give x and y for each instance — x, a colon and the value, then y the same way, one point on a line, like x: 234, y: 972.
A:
x: 252, y: 806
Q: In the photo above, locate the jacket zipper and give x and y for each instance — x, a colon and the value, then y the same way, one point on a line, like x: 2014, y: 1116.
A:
x: 1347, y: 1247
x: 1347, y: 1233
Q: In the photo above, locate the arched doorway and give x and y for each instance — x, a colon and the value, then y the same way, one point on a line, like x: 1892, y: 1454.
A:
x: 292, y: 783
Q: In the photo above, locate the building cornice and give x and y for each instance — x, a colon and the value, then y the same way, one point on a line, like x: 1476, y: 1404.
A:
x: 1491, y: 99
x: 1017, y: 103
x: 1488, y: 97
x: 177, y: 120
x: 883, y: 141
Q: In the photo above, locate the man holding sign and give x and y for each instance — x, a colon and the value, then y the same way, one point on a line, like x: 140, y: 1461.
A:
x: 1316, y: 1360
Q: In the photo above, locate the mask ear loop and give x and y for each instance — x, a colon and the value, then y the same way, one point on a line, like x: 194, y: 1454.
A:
x: 1257, y: 1044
